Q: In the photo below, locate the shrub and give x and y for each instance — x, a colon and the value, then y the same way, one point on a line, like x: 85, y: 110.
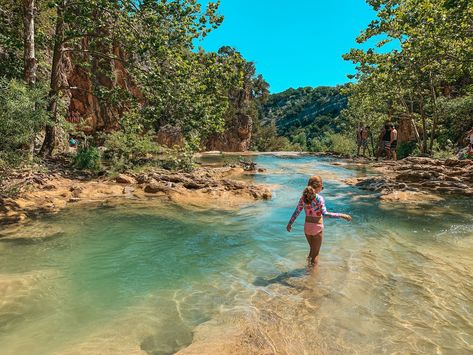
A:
x: 445, y: 151
x: 88, y: 158
x: 456, y: 116
x: 179, y: 158
x: 22, y: 116
x: 132, y: 144
x: 318, y: 145
x: 266, y: 139
x: 406, y: 149
x: 341, y: 143
x: 300, y: 140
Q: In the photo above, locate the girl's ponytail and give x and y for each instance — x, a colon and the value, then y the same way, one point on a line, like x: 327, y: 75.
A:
x: 309, y: 194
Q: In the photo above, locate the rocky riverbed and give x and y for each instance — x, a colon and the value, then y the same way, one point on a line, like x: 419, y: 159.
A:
x: 417, y: 177
x: 47, y: 192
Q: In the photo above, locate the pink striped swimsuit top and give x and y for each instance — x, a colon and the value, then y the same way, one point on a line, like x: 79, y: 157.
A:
x: 315, y: 209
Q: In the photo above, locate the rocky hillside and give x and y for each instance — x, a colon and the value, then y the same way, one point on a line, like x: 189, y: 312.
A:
x: 310, y: 109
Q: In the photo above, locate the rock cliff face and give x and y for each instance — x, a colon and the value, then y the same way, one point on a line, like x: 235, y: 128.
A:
x: 407, y: 130
x: 95, y: 113
x: 85, y: 106
x: 170, y: 136
x: 235, y: 138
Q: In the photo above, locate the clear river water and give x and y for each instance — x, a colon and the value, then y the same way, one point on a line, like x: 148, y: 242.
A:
x: 154, y: 278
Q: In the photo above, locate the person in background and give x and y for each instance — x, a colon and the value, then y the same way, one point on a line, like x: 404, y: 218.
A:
x: 72, y: 142
x: 359, y: 133
x: 365, y: 134
x: 393, y: 142
x: 385, y: 140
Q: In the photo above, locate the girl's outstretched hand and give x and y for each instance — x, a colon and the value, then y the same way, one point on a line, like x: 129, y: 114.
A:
x: 347, y: 217
x: 289, y: 227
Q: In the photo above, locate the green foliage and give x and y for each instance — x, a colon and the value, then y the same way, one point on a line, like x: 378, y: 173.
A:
x: 266, y: 139
x: 319, y: 144
x: 341, y: 143
x: 136, y: 51
x: 424, y: 73
x: 87, y: 158
x: 131, y: 144
x: 311, y: 109
x: 456, y: 117
x: 182, y: 88
x: 306, y: 116
x: 443, y: 152
x: 11, y: 40
x: 406, y: 149
x: 300, y: 139
x: 179, y: 158
x: 22, y: 116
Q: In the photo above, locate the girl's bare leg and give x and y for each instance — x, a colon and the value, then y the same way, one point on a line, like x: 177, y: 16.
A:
x: 316, y: 243
x: 311, y: 252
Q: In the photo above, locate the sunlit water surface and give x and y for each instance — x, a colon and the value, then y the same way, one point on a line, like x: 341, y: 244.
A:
x: 126, y: 278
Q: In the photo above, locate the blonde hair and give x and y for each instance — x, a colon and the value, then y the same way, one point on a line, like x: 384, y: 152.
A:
x: 310, y: 191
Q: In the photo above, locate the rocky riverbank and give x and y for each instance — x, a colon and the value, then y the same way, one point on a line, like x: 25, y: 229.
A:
x: 407, y: 179
x: 37, y: 191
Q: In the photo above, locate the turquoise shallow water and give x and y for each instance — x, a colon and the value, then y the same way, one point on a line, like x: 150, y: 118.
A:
x: 126, y: 278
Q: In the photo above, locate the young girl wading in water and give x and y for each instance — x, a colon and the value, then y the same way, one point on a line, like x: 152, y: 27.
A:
x: 315, y: 211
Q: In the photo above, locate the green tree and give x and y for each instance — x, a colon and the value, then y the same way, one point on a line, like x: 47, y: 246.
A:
x: 431, y: 61
x: 21, y: 118
x: 155, y: 37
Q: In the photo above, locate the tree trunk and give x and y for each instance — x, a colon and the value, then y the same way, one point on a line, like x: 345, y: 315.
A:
x: 424, y: 128
x: 50, y: 138
x: 435, y: 115
x: 29, y: 58
x: 29, y: 46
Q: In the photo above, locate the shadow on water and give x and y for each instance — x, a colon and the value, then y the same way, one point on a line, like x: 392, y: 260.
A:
x: 283, y: 278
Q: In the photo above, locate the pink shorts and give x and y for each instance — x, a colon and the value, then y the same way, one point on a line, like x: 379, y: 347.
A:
x: 313, y: 228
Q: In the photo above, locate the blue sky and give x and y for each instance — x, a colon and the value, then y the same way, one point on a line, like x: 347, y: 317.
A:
x: 293, y: 43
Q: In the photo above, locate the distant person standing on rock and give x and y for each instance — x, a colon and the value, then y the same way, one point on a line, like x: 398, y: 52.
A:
x: 385, y: 140
x: 393, y: 142
x: 359, y: 139
x: 365, y: 134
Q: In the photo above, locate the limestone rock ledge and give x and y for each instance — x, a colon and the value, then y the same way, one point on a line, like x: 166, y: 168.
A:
x: 203, y: 188
x: 416, y: 175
